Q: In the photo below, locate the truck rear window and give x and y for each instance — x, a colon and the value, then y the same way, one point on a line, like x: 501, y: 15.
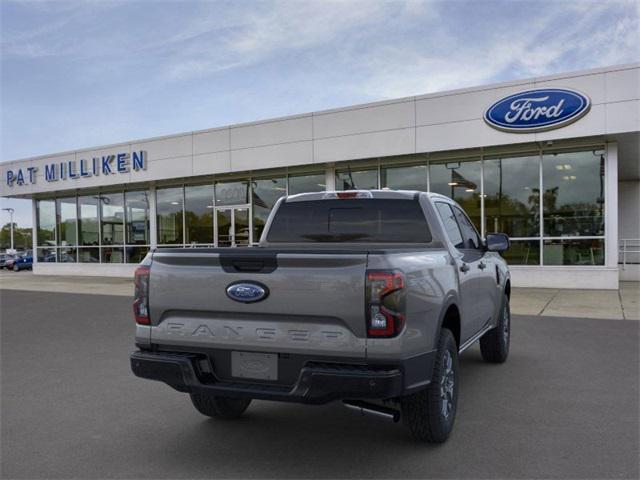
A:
x: 350, y: 220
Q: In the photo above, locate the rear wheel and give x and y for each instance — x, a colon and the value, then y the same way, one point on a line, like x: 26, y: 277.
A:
x: 430, y: 413
x: 16, y: 268
x: 494, y: 345
x: 219, y: 407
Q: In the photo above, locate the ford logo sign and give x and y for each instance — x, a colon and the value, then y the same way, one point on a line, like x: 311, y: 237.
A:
x: 537, y: 110
x: 247, y: 292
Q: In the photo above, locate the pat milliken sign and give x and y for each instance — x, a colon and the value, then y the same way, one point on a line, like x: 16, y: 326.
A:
x: 104, y: 165
x: 537, y: 110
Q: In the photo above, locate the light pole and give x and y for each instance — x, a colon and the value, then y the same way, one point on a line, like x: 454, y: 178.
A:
x: 10, y: 210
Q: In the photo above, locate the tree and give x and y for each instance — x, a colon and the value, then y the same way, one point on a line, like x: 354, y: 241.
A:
x: 22, y: 237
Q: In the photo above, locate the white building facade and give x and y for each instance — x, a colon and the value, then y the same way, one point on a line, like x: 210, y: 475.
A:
x: 554, y: 162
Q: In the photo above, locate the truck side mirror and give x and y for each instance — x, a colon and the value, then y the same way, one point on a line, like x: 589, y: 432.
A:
x: 497, y: 242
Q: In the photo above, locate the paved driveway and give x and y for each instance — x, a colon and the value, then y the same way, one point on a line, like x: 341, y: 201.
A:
x: 565, y: 405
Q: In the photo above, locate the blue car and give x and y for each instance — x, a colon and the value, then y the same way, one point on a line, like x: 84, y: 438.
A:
x: 23, y: 262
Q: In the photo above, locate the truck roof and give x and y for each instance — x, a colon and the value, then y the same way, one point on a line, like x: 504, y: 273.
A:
x: 382, y: 193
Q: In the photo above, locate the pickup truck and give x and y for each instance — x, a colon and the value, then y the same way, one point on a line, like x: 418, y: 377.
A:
x: 364, y: 297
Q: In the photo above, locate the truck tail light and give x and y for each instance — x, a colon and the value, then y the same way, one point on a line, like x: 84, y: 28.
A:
x: 141, y: 296
x: 385, y: 297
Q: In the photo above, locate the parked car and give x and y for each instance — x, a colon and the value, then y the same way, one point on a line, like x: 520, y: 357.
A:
x: 366, y: 297
x: 23, y: 261
x: 4, y: 258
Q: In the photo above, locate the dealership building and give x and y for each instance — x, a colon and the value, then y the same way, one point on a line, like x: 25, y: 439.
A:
x: 554, y: 162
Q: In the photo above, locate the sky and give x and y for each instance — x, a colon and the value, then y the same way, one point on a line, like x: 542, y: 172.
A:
x: 87, y: 73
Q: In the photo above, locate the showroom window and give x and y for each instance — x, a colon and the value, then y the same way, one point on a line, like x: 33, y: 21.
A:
x: 88, y: 229
x: 265, y: 192
x: 232, y: 193
x: 310, y: 182
x: 46, y: 230
x: 170, y: 218
x: 198, y: 214
x: 112, y: 227
x: 137, y: 228
x: 352, y: 179
x: 67, y: 214
x: 563, y: 226
x: 512, y: 204
x: 412, y: 177
x: 459, y: 180
x: 573, y: 207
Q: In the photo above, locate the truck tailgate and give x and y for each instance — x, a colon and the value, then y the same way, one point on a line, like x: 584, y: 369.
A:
x: 315, y: 301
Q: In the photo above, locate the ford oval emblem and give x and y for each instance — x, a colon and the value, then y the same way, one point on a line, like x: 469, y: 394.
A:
x: 537, y: 110
x: 247, y: 292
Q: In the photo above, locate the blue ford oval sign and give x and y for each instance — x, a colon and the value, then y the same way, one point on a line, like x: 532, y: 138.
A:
x: 537, y: 110
x: 247, y: 292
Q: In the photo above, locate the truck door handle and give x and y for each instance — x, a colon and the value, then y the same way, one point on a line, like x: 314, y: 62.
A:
x: 464, y: 268
x: 482, y: 266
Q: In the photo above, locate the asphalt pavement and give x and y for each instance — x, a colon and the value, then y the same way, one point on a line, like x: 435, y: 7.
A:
x: 565, y: 405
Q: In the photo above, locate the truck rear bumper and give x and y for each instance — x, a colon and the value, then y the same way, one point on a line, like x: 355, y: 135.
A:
x: 317, y: 382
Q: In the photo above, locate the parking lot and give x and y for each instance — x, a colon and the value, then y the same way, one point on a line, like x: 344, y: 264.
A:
x: 565, y: 405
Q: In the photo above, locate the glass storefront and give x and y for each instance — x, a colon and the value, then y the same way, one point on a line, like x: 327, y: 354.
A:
x: 512, y: 195
x: 264, y: 195
x: 67, y: 221
x: 414, y: 177
x: 137, y: 218
x: 112, y: 218
x: 198, y: 214
x: 551, y: 204
x: 459, y: 180
x: 310, y: 182
x: 232, y: 193
x: 357, y: 179
x: 46, y: 222
x: 170, y: 219
x: 94, y: 228
x: 88, y: 226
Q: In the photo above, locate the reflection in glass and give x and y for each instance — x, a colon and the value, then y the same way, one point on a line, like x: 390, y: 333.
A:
x: 169, y: 210
x: 312, y: 182
x: 46, y: 255
x: 241, y: 226
x: 574, y: 251
x: 67, y: 221
x: 112, y: 216
x: 137, y: 217
x: 264, y: 195
x: 112, y: 254
x: 88, y: 221
x: 405, y: 178
x: 66, y: 255
x: 523, y: 252
x: 135, y: 254
x: 89, y: 255
x: 573, y: 198
x: 198, y: 214
x: 461, y: 182
x: 46, y: 218
x: 232, y: 193
x: 512, y: 196
x: 224, y: 216
x: 357, y: 179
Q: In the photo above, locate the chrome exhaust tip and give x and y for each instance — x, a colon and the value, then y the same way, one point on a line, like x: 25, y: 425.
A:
x: 366, y: 408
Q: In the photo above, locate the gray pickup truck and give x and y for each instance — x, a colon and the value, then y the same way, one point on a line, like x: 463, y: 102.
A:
x: 366, y: 297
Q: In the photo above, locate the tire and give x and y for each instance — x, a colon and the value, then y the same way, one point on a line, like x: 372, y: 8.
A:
x: 430, y: 413
x: 219, y: 407
x: 16, y: 268
x: 494, y: 345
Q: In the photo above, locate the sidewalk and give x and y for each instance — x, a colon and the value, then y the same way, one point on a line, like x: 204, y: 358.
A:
x: 607, y: 304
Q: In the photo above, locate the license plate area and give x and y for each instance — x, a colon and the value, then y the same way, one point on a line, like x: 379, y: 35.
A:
x: 254, y: 365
